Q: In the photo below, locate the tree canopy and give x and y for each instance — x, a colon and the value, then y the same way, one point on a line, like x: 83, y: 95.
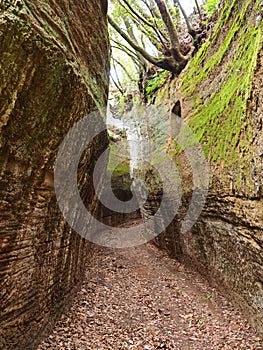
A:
x: 153, y: 33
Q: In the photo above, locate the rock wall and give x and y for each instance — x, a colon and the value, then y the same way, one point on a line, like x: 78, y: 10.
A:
x: 120, y: 182
x: 53, y: 71
x: 221, y: 98
x: 121, y: 187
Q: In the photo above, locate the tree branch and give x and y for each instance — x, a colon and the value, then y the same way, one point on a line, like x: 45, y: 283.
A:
x: 124, y: 69
x: 198, y: 10
x: 134, y: 45
x: 138, y: 15
x: 191, y: 31
x: 135, y: 59
x: 171, y: 29
x: 116, y: 84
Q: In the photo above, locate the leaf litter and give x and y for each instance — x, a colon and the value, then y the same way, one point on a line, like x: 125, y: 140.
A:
x: 139, y: 298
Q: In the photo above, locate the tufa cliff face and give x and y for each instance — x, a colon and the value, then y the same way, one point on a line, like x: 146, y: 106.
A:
x: 53, y: 72
x: 221, y: 98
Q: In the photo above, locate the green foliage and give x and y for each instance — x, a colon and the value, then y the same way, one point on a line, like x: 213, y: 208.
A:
x: 156, y: 82
x: 122, y: 104
x: 113, y: 137
x: 211, y: 6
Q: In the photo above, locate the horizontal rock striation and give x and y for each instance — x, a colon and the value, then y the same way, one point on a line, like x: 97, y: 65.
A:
x: 53, y: 71
x: 221, y: 98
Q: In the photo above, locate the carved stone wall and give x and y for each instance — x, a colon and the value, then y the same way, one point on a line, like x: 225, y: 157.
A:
x: 53, y: 72
x: 221, y: 99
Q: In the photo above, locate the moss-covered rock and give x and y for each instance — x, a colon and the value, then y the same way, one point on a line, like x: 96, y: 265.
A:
x: 220, y: 94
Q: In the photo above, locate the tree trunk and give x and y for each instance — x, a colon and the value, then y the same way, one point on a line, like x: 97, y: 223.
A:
x: 175, y: 44
x: 174, y: 63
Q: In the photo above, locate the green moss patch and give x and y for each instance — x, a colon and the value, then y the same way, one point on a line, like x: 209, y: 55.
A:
x: 220, y: 122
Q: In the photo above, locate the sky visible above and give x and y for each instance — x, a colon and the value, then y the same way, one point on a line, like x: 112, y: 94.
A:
x: 187, y: 5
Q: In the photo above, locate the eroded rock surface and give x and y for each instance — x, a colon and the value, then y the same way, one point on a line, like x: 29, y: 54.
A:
x: 53, y: 69
x: 220, y: 96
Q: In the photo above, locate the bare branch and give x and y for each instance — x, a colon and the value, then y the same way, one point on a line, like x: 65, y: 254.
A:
x: 128, y: 52
x: 175, y: 44
x: 117, y: 81
x: 133, y: 44
x: 138, y: 15
x: 116, y: 84
x: 189, y: 26
x: 198, y: 10
x: 124, y: 69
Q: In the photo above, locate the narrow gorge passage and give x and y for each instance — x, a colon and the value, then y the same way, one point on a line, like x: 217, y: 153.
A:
x: 190, y: 150
x: 139, y: 298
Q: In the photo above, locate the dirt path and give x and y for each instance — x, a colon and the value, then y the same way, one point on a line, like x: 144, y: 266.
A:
x: 139, y: 298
